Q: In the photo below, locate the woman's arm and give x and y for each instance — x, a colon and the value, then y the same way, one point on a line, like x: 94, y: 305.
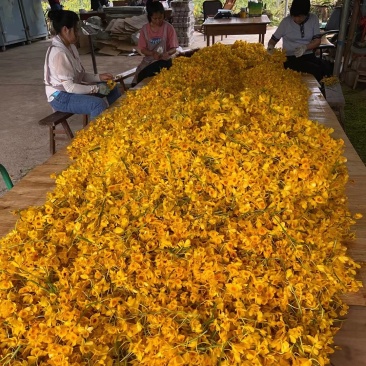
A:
x: 62, y: 72
x: 147, y: 52
x: 316, y: 39
x: 171, y: 42
x: 71, y: 87
x: 272, y: 43
x: 313, y: 44
x: 168, y: 54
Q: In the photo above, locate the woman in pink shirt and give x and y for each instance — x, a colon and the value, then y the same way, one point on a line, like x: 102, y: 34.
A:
x: 158, y: 43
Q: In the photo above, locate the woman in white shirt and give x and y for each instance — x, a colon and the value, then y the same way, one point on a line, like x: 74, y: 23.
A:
x: 68, y: 87
x: 300, y: 34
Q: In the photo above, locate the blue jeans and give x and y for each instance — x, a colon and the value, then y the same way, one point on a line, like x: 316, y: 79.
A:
x: 91, y: 104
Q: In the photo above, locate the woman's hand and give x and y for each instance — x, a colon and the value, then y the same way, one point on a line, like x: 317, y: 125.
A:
x: 105, y: 77
x: 165, y: 56
x: 103, y: 89
x: 299, y: 51
x: 156, y: 55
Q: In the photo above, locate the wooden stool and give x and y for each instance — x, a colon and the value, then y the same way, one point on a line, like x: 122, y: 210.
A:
x: 59, y: 118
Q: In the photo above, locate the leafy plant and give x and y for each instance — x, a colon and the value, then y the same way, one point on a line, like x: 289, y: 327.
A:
x: 73, y: 5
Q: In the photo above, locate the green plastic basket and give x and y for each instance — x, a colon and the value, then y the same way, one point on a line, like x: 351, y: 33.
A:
x: 255, y: 9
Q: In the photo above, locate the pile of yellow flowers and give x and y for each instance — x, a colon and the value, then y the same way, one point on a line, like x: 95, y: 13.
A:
x: 330, y: 81
x: 200, y: 223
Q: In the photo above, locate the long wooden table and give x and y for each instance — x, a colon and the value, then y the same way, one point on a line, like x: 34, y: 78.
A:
x: 235, y: 26
x: 32, y: 189
x: 352, y: 337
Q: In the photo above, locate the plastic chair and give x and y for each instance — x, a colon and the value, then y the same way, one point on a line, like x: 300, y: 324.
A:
x: 6, y: 177
x: 330, y: 32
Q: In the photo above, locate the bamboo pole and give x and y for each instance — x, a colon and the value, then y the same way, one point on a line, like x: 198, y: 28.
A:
x: 350, y: 37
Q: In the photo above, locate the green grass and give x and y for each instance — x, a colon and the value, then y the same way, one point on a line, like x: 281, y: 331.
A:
x: 355, y: 118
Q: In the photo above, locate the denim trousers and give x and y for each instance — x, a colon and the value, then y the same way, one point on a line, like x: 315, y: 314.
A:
x: 91, y: 104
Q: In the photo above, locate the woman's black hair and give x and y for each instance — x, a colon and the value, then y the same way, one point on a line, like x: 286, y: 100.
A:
x: 153, y: 8
x: 63, y: 18
x: 300, y: 7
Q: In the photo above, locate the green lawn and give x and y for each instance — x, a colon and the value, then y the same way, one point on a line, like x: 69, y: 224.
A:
x: 355, y: 118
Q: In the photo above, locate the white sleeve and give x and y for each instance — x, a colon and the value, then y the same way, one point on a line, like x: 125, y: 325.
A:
x: 91, y: 78
x: 66, y: 74
x: 71, y: 87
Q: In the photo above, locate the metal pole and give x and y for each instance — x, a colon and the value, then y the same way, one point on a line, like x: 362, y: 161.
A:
x: 2, y: 37
x: 92, y: 54
x: 286, y: 8
x: 341, y: 38
x: 350, y: 37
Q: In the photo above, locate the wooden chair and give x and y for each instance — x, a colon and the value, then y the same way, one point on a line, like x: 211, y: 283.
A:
x: 123, y: 76
x: 210, y: 9
x: 229, y: 4
x: 360, y: 64
x: 330, y: 33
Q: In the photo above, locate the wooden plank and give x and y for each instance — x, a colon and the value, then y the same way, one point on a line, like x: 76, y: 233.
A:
x: 351, y: 339
x: 55, y: 117
x: 319, y: 110
x: 31, y: 190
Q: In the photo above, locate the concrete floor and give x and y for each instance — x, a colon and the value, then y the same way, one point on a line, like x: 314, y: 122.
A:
x: 23, y: 143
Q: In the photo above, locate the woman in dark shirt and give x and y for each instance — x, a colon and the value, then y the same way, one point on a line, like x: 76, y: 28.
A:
x: 300, y: 34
